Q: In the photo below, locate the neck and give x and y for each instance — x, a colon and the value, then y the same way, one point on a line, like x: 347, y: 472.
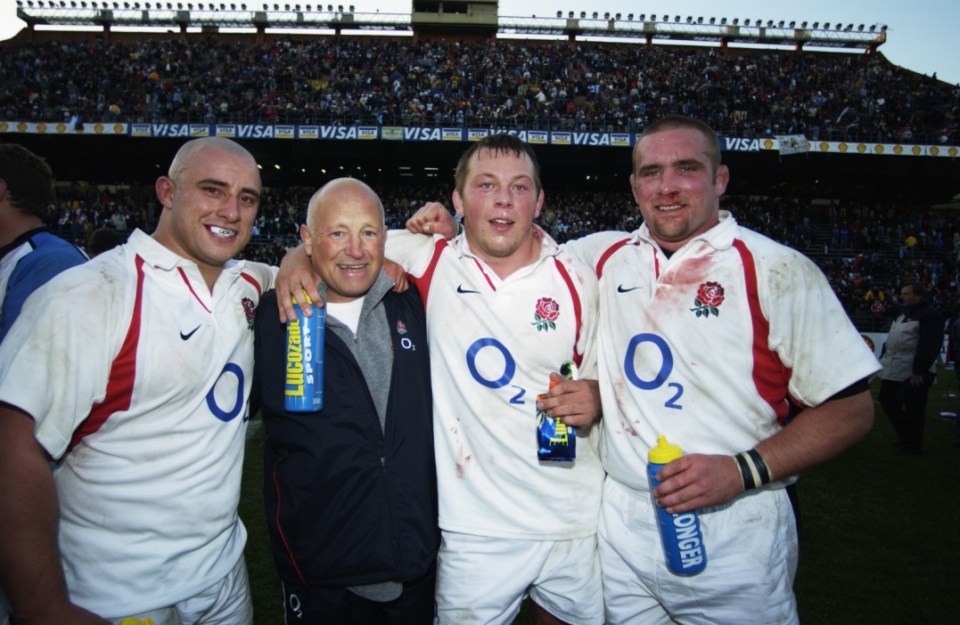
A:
x: 524, y: 255
x: 17, y: 224
x: 210, y: 275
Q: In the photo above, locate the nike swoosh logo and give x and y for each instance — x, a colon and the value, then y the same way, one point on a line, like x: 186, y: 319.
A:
x: 621, y: 289
x: 188, y: 334
x: 460, y: 289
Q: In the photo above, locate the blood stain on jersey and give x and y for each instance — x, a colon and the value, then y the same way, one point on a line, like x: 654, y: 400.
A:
x: 249, y: 309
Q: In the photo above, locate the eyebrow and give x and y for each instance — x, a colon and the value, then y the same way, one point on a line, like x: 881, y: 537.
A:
x: 684, y: 162
x: 488, y: 175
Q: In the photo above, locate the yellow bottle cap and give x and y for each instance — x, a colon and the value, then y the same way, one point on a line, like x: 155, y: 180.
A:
x: 664, y: 452
x: 294, y: 299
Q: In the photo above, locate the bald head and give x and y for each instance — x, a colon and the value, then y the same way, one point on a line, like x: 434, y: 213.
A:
x: 188, y: 152
x: 345, y: 237
x: 327, y: 197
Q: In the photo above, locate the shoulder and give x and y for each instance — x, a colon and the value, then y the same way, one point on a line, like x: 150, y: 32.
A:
x: 593, y: 248
x: 762, y: 247
x: 51, y: 253
x: 89, y: 296
x: 409, y: 298
x: 583, y: 274
x: 259, y: 275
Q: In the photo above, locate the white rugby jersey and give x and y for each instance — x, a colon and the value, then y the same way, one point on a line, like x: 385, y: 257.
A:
x: 138, y: 380
x: 491, y: 354
x: 706, y: 347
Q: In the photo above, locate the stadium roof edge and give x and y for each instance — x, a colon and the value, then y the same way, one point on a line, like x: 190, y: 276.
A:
x: 643, y: 29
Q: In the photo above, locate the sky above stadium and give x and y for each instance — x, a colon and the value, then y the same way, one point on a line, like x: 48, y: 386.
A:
x: 919, y: 35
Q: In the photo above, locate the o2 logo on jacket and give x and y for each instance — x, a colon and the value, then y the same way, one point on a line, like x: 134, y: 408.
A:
x: 228, y: 402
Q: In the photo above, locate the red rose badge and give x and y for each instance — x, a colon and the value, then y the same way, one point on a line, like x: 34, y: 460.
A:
x: 546, y: 314
x: 709, y: 298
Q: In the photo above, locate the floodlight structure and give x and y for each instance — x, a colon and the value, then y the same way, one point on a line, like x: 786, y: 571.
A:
x: 649, y: 28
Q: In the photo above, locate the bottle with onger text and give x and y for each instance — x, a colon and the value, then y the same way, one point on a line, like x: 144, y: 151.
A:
x: 680, y: 534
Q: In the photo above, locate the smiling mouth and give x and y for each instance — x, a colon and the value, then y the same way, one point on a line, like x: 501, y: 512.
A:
x: 667, y: 208
x: 222, y: 233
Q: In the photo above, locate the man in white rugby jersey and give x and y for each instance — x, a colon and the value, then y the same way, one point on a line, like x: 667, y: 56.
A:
x: 131, y: 374
x: 717, y: 338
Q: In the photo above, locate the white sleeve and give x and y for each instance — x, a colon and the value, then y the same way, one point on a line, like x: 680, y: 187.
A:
x: 811, y: 332
x: 590, y: 248
x: 55, y: 362
x: 412, y: 251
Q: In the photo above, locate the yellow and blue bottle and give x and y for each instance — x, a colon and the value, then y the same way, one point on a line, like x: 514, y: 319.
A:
x: 556, y: 441
x: 303, y: 388
x: 680, y: 534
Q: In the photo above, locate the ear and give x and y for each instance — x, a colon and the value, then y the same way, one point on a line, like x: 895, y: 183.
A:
x: 307, y: 238
x: 165, y: 189
x: 3, y: 190
x: 540, y: 198
x: 457, y: 202
x: 635, y: 189
x: 721, y: 180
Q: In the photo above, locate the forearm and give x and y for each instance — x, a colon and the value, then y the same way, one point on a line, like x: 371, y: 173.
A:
x: 30, y: 569
x: 817, y: 434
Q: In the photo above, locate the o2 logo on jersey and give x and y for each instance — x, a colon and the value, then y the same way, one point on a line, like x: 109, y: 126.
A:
x: 652, y: 345
x: 484, y: 346
x: 230, y: 386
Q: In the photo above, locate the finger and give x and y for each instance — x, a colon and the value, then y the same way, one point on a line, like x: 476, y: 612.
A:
x: 287, y: 312
x: 314, y: 294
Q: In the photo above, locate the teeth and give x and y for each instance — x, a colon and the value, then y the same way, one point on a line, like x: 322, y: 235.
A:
x: 671, y: 207
x: 353, y: 267
x: 501, y: 221
x: 222, y: 232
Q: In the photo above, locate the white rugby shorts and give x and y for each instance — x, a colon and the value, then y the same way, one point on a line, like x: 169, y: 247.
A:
x: 482, y: 580
x: 226, y: 602
x: 751, y: 548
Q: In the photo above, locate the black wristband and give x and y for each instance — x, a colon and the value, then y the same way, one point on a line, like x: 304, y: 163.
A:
x: 762, y: 469
x: 746, y: 472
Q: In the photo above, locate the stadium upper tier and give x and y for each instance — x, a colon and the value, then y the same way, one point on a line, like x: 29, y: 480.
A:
x: 535, y: 85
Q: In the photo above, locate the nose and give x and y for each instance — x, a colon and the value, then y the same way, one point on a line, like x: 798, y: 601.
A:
x: 354, y: 247
x: 503, y: 197
x: 230, y: 208
x: 668, y: 183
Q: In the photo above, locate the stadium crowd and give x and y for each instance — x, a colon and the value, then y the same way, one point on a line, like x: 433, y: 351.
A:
x: 865, y: 250
x: 577, y: 86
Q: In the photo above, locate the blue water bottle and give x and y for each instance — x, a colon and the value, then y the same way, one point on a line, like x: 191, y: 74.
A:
x: 680, y: 534
x: 303, y: 390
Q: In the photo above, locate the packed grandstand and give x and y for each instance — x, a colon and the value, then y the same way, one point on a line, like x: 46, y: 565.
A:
x: 858, y: 117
